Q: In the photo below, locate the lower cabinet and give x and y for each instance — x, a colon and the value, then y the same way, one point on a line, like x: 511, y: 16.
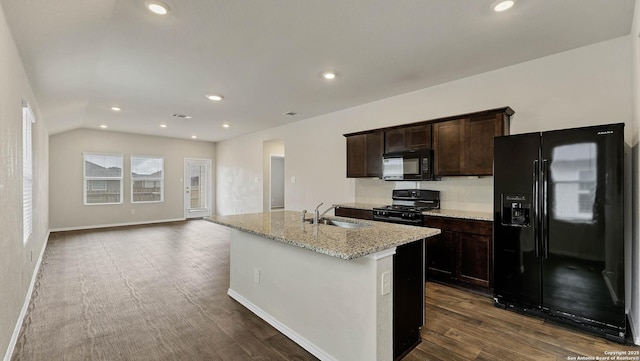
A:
x: 462, y: 254
x: 353, y: 213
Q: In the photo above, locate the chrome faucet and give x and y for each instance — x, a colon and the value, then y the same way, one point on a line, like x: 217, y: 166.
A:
x: 326, y: 210
x: 316, y: 214
x: 304, y: 212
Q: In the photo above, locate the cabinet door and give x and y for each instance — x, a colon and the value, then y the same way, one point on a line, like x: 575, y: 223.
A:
x: 479, y: 145
x: 395, y: 140
x: 374, y: 147
x: 364, y: 155
x: 475, y: 259
x: 449, y: 147
x: 440, y: 256
x: 356, y: 156
x: 418, y: 137
x: 404, y: 139
x: 353, y: 213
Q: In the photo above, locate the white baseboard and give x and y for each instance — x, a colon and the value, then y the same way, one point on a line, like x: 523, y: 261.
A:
x: 284, y: 329
x: 96, y: 226
x: 25, y: 305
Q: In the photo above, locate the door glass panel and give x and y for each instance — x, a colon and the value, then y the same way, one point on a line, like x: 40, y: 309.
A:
x: 198, y: 192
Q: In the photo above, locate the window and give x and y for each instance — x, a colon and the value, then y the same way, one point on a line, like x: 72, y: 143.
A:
x: 102, y: 178
x: 147, y: 179
x: 27, y: 172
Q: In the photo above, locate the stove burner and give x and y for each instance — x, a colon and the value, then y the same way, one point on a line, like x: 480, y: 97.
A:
x: 407, y: 207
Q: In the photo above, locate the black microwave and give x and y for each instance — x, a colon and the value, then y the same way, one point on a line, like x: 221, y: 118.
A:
x: 408, y: 166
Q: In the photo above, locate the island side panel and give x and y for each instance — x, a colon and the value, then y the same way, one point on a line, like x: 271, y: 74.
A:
x: 334, y: 308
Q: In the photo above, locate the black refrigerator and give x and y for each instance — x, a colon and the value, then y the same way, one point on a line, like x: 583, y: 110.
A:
x: 558, y: 227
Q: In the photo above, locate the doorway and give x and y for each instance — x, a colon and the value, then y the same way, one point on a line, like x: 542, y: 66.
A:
x: 273, y: 166
x: 277, y: 182
x: 197, y: 188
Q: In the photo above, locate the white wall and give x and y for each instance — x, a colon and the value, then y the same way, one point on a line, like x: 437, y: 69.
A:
x: 17, y: 266
x: 585, y: 86
x: 66, y: 165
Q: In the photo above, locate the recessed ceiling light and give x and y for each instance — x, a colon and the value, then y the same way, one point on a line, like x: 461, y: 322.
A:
x: 329, y: 75
x: 157, y: 7
x: 193, y: 137
x: 163, y: 125
x: 503, y: 5
x: 215, y: 97
x: 225, y: 125
x: 103, y: 126
x: 116, y: 109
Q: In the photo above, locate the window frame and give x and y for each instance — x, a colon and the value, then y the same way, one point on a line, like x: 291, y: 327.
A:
x: 133, y: 179
x: 28, y: 119
x: 85, y: 179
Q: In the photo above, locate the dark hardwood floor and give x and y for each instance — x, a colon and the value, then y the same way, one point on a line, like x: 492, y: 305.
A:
x: 158, y: 292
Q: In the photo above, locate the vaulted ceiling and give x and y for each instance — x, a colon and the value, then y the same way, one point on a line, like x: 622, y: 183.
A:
x: 267, y: 57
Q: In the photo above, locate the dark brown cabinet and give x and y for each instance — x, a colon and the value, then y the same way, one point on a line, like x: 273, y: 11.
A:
x: 462, y: 254
x: 353, y: 213
x: 465, y: 146
x: 448, y: 147
x: 364, y: 154
x: 409, y: 138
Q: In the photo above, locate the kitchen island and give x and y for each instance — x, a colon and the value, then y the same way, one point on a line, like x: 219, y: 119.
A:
x: 328, y: 288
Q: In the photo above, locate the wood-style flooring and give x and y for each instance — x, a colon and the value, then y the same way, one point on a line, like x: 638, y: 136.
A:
x: 158, y: 292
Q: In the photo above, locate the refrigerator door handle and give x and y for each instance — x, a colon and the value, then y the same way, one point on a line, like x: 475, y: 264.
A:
x: 536, y: 195
x: 545, y: 208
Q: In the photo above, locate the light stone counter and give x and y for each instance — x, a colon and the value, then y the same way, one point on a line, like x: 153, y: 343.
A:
x: 344, y: 243
x: 453, y: 213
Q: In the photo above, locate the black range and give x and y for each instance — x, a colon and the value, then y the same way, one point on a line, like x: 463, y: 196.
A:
x: 407, y: 206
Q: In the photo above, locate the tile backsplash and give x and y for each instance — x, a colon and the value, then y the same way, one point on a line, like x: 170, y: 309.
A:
x: 460, y: 193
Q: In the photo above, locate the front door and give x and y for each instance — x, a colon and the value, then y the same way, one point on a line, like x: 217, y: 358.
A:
x: 197, y: 188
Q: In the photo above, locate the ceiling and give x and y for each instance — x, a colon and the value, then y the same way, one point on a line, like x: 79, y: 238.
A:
x: 267, y: 57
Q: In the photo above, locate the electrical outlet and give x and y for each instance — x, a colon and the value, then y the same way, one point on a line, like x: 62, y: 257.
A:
x: 293, y: 179
x: 386, y: 283
x: 256, y: 275
x: 133, y: 211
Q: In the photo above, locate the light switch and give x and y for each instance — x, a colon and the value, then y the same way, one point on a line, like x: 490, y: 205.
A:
x: 293, y: 179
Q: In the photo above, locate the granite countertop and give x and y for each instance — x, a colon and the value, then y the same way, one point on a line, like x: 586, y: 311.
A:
x: 454, y: 213
x: 451, y: 213
x: 344, y: 243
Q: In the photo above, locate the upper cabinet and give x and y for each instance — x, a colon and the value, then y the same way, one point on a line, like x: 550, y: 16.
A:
x: 448, y: 147
x: 462, y: 145
x: 364, y: 154
x: 409, y: 138
x: 465, y: 146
